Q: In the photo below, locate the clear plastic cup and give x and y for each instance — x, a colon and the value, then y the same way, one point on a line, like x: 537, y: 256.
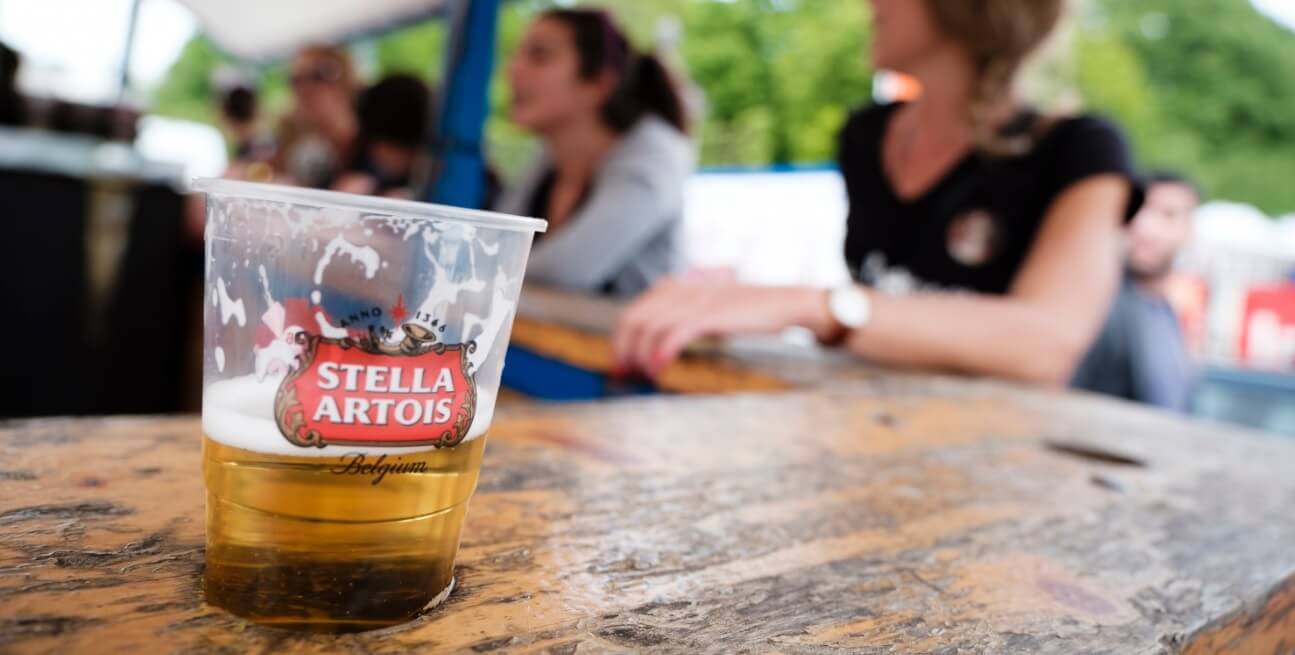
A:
x: 353, y: 350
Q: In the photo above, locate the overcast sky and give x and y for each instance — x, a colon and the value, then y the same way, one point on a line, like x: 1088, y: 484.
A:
x: 73, y: 48
x: 1282, y: 10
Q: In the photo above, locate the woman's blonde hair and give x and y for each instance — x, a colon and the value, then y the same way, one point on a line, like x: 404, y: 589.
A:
x: 1000, y: 35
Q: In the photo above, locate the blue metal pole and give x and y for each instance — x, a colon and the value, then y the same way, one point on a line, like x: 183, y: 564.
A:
x: 465, y: 104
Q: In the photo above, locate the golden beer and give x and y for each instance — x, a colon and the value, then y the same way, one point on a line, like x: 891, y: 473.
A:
x: 334, y: 544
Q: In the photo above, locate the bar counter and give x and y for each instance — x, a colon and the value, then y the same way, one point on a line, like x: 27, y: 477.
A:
x: 816, y: 507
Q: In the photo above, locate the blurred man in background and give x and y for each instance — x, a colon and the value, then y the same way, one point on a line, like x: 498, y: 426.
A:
x: 1140, y: 354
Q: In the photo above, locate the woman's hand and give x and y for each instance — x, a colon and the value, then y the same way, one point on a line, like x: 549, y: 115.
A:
x: 656, y: 328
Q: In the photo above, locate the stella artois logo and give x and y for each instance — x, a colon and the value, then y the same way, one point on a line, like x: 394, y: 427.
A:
x: 359, y: 392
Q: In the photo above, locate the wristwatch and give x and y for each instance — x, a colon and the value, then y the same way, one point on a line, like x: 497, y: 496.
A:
x: 849, y: 306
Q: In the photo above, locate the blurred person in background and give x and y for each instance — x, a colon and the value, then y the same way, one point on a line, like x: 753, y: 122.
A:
x: 250, y: 150
x: 238, y: 118
x: 12, y: 107
x: 1140, y: 354
x: 317, y: 138
x: 983, y: 237
x: 616, y: 155
x: 393, y: 118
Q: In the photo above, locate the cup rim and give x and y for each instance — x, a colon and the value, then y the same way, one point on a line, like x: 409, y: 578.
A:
x: 374, y: 204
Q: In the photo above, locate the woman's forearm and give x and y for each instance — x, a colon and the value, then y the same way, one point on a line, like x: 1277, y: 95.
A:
x: 1040, y: 329
x: 983, y: 335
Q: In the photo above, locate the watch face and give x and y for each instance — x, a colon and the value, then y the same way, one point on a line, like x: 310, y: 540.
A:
x: 849, y: 306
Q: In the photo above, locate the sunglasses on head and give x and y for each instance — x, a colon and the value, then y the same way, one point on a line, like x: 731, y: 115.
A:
x: 317, y: 75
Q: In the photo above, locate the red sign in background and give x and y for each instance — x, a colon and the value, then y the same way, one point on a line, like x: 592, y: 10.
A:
x: 1267, y: 336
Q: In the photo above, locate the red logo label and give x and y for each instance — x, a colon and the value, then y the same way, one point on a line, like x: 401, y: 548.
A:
x: 355, y: 392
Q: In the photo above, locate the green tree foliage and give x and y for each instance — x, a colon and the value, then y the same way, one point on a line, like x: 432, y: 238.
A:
x: 415, y: 50
x: 779, y: 76
x: 1207, y: 86
x: 187, y: 91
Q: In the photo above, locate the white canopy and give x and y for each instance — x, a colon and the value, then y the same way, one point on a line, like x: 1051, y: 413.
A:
x: 258, y: 29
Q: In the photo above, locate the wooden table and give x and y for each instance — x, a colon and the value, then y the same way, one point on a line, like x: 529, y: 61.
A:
x: 897, y: 514
x: 573, y: 329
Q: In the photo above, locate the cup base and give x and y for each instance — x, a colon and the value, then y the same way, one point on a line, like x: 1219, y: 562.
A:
x: 329, y: 597
x: 293, y: 543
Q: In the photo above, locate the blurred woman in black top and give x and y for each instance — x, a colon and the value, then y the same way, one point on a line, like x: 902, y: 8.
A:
x: 983, y: 237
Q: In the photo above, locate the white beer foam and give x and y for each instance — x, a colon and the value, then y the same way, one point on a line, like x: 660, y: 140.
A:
x: 365, y: 256
x: 239, y: 412
x: 229, y: 307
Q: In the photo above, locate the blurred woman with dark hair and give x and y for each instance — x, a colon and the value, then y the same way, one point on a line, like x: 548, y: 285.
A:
x: 393, y: 119
x: 983, y: 236
x: 616, y: 154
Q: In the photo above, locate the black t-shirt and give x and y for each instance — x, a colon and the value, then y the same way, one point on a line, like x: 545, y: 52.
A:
x: 973, y: 229
x: 538, y: 206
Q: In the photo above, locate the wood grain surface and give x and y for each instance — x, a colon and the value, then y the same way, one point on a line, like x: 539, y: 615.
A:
x: 574, y: 328
x: 896, y: 514
x: 708, y: 374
